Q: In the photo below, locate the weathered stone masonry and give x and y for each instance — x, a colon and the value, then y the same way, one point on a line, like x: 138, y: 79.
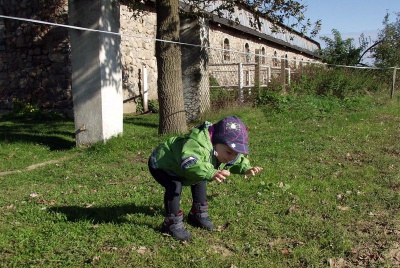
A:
x: 34, y: 58
x: 35, y: 64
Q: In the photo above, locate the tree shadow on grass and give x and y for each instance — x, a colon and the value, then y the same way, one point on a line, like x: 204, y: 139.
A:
x: 141, y: 120
x: 111, y: 214
x: 52, y: 134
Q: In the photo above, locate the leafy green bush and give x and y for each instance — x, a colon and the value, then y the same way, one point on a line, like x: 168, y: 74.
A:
x: 27, y: 110
x: 273, y: 99
x: 220, y: 97
x: 154, y: 106
x: 213, y: 81
x: 338, y: 82
x: 139, y: 106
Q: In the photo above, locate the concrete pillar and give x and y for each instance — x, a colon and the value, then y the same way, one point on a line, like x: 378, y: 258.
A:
x: 96, y: 70
x: 257, y: 71
x: 283, y: 73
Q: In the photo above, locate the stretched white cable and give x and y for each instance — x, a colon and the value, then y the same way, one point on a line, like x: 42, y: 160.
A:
x: 174, y: 42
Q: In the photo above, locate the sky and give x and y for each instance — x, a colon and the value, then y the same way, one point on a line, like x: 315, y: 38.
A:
x: 350, y: 17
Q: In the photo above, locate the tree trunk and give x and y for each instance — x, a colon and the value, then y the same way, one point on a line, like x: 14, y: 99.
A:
x: 170, y: 89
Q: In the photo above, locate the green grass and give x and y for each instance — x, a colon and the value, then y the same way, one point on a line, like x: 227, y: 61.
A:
x: 328, y: 194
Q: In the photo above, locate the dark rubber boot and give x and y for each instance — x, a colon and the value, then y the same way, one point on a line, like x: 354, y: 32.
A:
x: 198, y: 216
x: 173, y: 225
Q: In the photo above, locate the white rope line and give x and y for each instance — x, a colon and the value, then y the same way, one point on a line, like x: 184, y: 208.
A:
x: 180, y: 43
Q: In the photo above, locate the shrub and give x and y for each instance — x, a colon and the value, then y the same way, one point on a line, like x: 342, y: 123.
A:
x: 154, y: 106
x: 338, y: 82
x: 139, y: 106
x: 27, y: 110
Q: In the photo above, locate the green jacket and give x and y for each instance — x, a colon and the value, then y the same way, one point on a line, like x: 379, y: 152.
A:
x: 191, y: 158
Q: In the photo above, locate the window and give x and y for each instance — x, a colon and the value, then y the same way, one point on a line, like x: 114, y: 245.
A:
x: 227, y: 55
x: 247, y: 51
x: 286, y: 61
x: 263, y: 55
x: 275, y: 59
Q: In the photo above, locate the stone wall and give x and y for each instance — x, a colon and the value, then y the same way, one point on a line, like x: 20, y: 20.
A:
x: 237, y: 42
x: 34, y: 58
x: 35, y: 63
x: 138, y: 51
x: 243, y: 49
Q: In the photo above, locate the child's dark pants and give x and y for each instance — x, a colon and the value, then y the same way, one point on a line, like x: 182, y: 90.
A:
x: 173, y: 190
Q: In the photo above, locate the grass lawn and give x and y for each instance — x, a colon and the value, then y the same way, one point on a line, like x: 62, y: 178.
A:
x: 328, y: 195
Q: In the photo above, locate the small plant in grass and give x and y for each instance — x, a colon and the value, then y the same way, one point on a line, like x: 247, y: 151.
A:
x: 154, y: 106
x: 139, y: 105
x: 273, y: 99
x: 27, y: 110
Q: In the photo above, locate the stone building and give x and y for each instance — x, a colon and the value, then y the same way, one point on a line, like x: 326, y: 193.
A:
x: 35, y: 58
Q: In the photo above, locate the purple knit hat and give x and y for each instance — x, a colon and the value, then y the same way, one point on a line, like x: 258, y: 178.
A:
x: 232, y: 132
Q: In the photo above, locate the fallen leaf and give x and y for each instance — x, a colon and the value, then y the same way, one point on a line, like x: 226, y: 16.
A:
x: 290, y: 210
x: 142, y: 250
x: 340, y: 196
x: 96, y: 258
x: 285, y: 251
x: 88, y: 205
x: 221, y: 228
x: 343, y: 208
x: 337, y: 263
x: 109, y: 248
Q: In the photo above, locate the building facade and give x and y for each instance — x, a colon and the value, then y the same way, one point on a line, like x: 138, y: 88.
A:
x: 35, y: 58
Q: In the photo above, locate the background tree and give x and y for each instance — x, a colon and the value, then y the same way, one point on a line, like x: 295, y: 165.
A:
x: 342, y: 52
x: 387, y: 51
x: 168, y: 51
x: 169, y: 83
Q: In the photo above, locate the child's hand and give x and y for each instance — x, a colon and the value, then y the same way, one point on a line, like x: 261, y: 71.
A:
x: 253, y: 171
x: 219, y: 176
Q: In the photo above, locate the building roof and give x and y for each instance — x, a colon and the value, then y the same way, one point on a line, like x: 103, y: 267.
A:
x: 255, y: 33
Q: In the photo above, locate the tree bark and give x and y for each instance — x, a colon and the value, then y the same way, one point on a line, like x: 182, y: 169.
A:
x: 168, y: 54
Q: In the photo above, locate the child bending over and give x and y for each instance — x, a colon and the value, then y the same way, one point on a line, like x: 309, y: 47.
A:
x: 208, y: 152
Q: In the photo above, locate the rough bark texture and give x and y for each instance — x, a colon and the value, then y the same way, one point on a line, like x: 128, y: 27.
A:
x: 170, y: 89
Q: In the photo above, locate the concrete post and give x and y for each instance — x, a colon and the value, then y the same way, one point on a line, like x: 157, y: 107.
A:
x: 96, y: 70
x: 283, y: 73
x: 240, y: 78
x: 257, y: 71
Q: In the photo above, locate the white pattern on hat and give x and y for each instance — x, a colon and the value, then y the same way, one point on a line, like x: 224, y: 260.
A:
x: 233, y: 125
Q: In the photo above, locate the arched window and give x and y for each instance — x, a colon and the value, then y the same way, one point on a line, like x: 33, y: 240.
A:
x: 275, y: 59
x: 286, y: 61
x: 247, y: 51
x: 263, y: 55
x: 227, y: 55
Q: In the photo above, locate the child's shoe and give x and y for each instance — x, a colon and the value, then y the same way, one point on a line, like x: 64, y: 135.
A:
x: 173, y: 225
x: 198, y: 216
